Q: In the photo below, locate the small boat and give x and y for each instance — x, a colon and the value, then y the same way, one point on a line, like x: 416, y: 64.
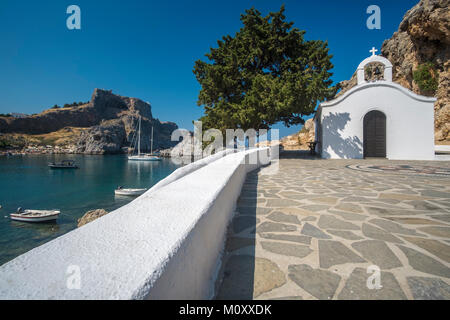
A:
x: 34, y: 215
x: 142, y: 156
x: 65, y: 164
x: 129, y: 192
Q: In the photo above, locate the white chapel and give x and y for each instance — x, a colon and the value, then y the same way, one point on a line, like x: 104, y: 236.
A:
x: 376, y: 119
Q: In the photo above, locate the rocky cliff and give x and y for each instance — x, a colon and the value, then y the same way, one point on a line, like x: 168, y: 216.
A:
x: 423, y: 37
x: 108, y: 122
x: 299, y: 140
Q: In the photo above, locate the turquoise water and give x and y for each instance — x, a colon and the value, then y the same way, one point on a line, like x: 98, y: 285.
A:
x: 27, y: 182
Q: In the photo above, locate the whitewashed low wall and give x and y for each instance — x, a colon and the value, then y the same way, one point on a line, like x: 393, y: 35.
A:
x: 166, y: 244
x: 442, y: 149
x: 181, y: 172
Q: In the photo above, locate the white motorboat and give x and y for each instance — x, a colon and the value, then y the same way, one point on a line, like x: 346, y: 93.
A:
x: 34, y: 215
x: 142, y: 156
x: 129, y: 192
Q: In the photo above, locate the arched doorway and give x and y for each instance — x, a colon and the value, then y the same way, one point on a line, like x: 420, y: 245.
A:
x: 375, y: 134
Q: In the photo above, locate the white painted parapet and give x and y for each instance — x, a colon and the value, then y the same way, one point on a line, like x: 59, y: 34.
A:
x: 181, y: 172
x: 166, y: 244
x: 442, y: 149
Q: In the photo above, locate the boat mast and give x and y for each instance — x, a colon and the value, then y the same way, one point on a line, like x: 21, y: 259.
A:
x: 139, y: 137
x: 151, y: 144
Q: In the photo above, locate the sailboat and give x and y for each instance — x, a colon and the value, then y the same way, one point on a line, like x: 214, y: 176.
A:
x: 142, y: 156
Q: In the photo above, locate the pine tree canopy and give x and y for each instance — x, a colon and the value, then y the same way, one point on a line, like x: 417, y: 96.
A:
x: 265, y: 74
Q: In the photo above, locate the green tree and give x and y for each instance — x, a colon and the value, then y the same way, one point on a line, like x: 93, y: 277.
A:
x: 266, y: 73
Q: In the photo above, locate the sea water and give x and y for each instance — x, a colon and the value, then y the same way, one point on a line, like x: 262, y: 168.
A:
x: 26, y: 181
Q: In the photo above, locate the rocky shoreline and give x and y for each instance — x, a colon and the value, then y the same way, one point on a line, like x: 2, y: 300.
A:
x: 39, y: 150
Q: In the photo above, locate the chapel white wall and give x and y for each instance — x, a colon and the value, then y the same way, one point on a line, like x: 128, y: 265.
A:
x: 409, y: 123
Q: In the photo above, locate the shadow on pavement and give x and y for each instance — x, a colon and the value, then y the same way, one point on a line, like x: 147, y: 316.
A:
x: 298, y: 154
x: 236, y: 279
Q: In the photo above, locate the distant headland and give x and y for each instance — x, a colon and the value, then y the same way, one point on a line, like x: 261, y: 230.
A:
x: 104, y: 125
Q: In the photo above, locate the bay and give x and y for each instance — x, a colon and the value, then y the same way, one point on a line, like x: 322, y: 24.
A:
x: 26, y: 181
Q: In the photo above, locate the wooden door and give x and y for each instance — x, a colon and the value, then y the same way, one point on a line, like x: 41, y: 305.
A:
x: 375, y: 134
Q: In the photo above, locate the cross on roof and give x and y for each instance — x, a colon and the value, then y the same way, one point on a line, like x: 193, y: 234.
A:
x: 373, y: 51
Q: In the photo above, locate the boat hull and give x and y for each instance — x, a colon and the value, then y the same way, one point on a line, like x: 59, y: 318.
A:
x: 137, y: 158
x: 129, y: 192
x: 65, y: 164
x: 62, y: 167
x: 24, y: 218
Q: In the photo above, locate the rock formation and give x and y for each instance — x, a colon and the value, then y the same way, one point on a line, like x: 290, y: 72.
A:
x: 108, y: 137
x: 423, y: 36
x: 108, y: 122
x: 299, y: 140
x: 90, y: 216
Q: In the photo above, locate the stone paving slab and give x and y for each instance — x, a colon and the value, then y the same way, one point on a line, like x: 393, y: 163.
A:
x: 317, y: 228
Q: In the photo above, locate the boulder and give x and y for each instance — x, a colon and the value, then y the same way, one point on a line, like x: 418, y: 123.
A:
x: 90, y: 216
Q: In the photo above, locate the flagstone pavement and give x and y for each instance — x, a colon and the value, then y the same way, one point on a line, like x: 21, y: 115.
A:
x: 316, y: 228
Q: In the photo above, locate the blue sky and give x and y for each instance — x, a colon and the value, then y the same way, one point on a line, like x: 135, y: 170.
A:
x: 147, y: 49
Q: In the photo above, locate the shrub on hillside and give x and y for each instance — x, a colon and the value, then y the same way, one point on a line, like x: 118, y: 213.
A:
x: 7, y: 141
x: 426, y: 77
